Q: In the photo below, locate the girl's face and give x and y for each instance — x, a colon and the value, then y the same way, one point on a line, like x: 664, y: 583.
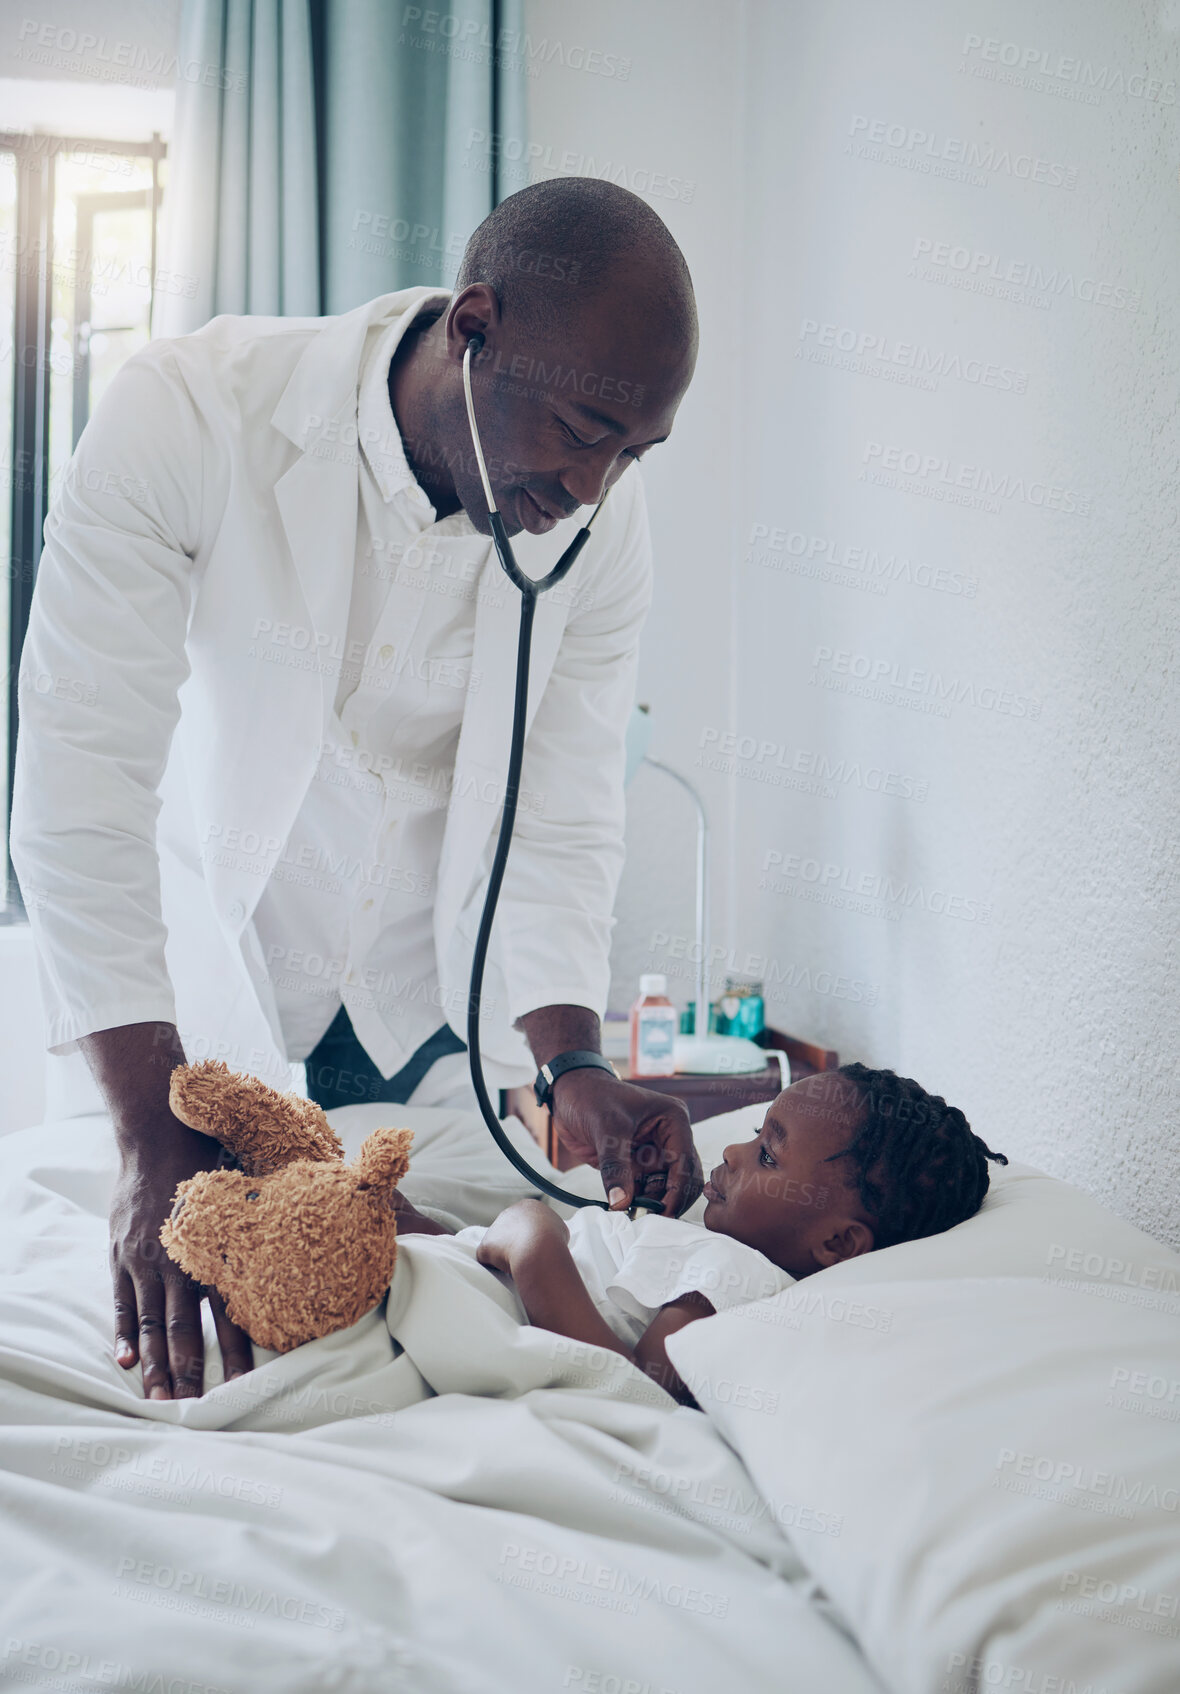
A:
x: 779, y: 1194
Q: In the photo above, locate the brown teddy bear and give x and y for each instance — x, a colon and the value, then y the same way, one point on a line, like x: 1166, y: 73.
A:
x: 296, y: 1242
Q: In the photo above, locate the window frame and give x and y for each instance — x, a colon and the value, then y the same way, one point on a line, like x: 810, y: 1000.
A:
x: 35, y: 157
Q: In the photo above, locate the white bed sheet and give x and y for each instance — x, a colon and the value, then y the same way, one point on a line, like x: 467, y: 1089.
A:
x: 483, y: 1511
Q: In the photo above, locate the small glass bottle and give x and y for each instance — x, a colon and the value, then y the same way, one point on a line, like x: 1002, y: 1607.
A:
x: 741, y: 1009
x: 654, y: 1022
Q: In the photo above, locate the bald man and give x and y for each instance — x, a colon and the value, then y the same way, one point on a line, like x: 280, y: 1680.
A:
x: 253, y: 815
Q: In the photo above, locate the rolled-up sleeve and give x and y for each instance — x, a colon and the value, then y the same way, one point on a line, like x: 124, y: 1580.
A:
x: 556, y: 911
x: 98, y: 684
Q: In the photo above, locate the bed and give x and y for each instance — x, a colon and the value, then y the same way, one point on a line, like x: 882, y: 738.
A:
x: 859, y: 1505
x: 334, y: 1522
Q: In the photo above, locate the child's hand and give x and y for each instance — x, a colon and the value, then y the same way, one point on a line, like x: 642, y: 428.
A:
x: 517, y: 1231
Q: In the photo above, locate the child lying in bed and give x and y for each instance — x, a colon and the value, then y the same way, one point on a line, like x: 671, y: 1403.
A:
x: 845, y: 1161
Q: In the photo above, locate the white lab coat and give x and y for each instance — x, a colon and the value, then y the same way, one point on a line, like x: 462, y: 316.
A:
x: 216, y: 488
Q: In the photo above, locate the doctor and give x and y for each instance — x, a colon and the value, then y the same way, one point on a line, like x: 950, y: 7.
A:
x: 256, y: 796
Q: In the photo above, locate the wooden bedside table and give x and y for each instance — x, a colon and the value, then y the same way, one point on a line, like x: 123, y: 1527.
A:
x: 704, y: 1096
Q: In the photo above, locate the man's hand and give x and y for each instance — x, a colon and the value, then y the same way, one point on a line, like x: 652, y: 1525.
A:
x: 157, y: 1307
x: 517, y: 1231
x: 642, y: 1140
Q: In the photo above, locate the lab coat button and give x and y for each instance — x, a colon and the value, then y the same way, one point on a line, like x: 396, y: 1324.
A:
x: 386, y: 653
x: 235, y: 911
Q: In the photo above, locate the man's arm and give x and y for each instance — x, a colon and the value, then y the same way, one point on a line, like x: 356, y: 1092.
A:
x: 531, y: 1243
x: 641, y: 1140
x: 99, y: 679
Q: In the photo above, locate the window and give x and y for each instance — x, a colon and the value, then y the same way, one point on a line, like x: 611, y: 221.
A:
x: 79, y: 229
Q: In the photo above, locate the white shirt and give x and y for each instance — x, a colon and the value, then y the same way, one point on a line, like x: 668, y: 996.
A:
x: 632, y: 1267
x: 347, y: 915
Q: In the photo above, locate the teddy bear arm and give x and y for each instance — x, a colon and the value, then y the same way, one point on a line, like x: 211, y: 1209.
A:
x: 320, y: 1131
x: 266, y: 1130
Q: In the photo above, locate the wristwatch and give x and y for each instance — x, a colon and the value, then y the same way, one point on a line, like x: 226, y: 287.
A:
x: 579, y: 1059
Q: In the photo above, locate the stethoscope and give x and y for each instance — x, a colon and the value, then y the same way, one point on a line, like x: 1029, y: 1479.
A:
x: 529, y: 588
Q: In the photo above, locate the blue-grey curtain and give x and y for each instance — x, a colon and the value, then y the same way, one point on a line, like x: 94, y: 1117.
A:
x: 241, y: 206
x: 326, y: 151
x: 420, y: 108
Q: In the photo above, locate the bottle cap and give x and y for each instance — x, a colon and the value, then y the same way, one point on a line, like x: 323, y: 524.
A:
x: 653, y: 982
x: 742, y: 985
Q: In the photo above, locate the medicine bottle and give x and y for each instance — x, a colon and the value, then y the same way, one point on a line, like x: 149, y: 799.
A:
x: 741, y: 1010
x: 654, y: 1022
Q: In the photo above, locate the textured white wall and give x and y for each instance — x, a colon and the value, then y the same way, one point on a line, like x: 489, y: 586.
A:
x: 668, y: 124
x: 981, y: 890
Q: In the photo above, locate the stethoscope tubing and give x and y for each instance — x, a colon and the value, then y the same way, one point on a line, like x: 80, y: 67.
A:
x: 530, y: 588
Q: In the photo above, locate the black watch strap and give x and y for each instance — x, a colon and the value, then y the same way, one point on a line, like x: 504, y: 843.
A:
x: 579, y: 1059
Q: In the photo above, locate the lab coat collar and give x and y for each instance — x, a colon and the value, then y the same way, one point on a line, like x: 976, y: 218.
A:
x: 380, y: 437
x: 323, y: 385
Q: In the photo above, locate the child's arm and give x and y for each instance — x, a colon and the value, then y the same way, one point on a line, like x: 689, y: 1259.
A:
x: 649, y: 1350
x: 531, y: 1243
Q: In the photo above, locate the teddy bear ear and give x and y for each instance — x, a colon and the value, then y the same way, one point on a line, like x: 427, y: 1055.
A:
x: 384, y: 1158
x: 265, y: 1129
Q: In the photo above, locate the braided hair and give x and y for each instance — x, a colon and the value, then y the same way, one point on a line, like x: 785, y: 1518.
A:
x: 919, y: 1168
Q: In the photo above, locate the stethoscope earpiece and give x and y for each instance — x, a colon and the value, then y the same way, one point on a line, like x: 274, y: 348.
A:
x: 475, y: 344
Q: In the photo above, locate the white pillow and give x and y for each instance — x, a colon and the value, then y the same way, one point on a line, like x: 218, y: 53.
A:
x: 974, y: 1442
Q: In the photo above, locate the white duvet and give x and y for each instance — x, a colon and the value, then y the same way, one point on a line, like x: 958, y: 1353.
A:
x: 475, y: 1507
